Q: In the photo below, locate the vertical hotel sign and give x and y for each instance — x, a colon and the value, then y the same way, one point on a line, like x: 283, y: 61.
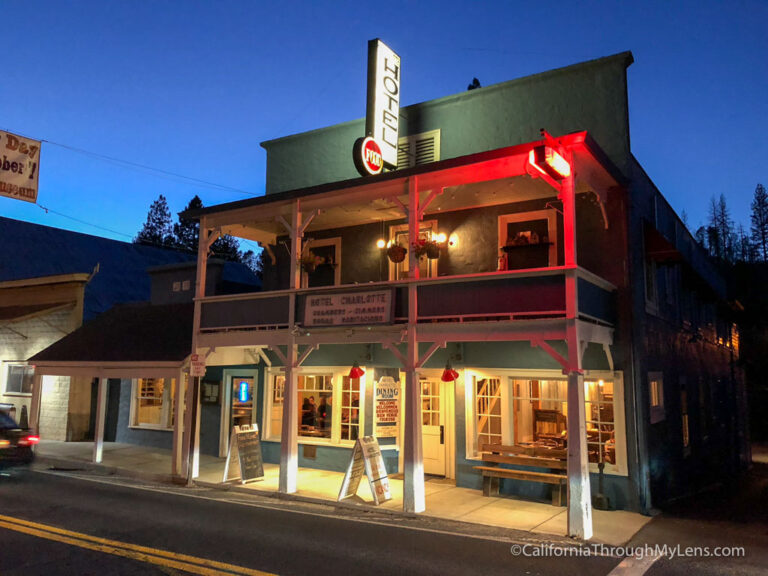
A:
x: 382, y: 117
x: 19, y: 166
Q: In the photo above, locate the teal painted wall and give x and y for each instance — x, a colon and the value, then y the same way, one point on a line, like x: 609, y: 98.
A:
x: 590, y: 96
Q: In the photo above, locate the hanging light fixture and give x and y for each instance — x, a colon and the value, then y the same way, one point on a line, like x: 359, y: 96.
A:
x: 356, y: 371
x: 449, y: 374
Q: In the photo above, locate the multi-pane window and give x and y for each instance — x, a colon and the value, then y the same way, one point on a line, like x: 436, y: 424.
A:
x: 328, y: 406
x: 533, y: 412
x: 153, y: 402
x: 350, y: 408
x: 488, y: 411
x: 19, y: 379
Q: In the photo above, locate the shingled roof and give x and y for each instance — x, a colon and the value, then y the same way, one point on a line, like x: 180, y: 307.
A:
x: 32, y: 251
x: 135, y: 332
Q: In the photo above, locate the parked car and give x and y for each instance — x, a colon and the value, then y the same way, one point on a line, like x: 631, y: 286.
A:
x: 16, y: 444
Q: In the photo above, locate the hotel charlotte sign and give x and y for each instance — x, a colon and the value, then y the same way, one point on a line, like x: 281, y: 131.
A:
x: 382, y: 116
x: 349, y: 309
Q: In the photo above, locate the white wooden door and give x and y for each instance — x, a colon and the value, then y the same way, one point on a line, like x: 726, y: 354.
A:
x: 433, y: 426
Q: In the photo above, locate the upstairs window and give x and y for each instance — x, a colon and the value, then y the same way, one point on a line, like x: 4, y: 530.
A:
x: 418, y: 149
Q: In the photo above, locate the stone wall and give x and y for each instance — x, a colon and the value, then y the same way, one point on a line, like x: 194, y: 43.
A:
x: 54, y: 406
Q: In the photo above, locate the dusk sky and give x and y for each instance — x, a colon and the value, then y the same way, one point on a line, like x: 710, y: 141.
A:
x: 192, y: 88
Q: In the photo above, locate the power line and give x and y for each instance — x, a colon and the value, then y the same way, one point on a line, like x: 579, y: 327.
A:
x: 47, y: 210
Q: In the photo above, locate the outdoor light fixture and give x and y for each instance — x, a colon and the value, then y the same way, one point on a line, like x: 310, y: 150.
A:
x: 547, y: 161
x: 449, y: 374
x: 380, y: 243
x: 356, y: 371
x: 453, y: 240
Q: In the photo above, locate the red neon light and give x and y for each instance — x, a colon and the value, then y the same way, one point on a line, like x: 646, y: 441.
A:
x: 547, y: 161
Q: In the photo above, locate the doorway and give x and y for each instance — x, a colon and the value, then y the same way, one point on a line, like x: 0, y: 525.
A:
x: 238, y: 403
x: 434, y: 425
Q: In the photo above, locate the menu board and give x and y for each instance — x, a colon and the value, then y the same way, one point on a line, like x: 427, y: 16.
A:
x: 366, y: 457
x: 387, y: 408
x: 244, y: 461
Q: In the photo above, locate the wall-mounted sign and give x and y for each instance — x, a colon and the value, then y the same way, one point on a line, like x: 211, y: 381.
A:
x: 196, y: 366
x: 348, y: 309
x: 19, y: 166
x: 210, y: 392
x: 382, y: 115
x: 368, y: 156
x: 366, y: 458
x: 387, y: 407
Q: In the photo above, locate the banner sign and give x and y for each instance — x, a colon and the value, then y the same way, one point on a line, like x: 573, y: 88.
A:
x: 19, y: 163
x: 382, y: 117
x: 244, y: 460
x: 387, y: 407
x: 366, y: 457
x: 348, y: 309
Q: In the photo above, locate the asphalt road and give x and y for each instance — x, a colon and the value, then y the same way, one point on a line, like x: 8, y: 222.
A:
x: 255, y: 532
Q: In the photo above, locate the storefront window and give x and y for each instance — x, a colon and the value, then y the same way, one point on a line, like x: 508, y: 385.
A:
x: 328, y: 407
x: 153, y: 402
x: 534, y: 412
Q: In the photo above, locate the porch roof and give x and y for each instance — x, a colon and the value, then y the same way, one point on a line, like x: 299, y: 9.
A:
x: 367, y: 199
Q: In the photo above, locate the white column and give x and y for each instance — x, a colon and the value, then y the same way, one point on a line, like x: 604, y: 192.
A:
x: 579, y: 493
x: 413, y: 450
x: 101, y: 410
x: 178, y: 427
x: 289, y: 439
x: 34, y: 408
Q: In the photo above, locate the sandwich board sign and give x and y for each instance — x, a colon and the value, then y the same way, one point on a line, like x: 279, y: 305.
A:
x: 366, y: 459
x: 244, y: 460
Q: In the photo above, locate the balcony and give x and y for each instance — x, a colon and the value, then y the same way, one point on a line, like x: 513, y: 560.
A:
x: 490, y: 297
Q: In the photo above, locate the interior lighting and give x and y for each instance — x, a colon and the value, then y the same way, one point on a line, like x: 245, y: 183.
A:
x: 547, y: 161
x: 356, y: 371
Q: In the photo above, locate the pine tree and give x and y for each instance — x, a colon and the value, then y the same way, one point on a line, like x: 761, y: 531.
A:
x: 186, y: 232
x: 227, y: 248
x: 157, y: 229
x: 759, y: 220
x: 720, y: 230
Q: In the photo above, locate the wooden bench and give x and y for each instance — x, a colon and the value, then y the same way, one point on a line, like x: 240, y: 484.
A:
x: 553, y: 459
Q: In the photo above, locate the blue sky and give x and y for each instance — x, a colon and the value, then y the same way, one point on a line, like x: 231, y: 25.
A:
x: 192, y: 88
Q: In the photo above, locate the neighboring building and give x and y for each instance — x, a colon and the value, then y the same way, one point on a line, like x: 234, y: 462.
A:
x: 572, y: 302
x: 139, y: 352
x: 51, y: 281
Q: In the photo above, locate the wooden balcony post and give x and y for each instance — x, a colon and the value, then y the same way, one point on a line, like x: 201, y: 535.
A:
x: 289, y: 439
x: 34, y: 408
x: 413, y: 456
x: 177, y: 465
x: 101, y: 410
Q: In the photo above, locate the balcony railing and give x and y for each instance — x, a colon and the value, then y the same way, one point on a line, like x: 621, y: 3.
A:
x: 528, y: 294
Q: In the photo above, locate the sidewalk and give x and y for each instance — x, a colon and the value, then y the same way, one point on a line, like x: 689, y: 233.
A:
x: 444, y: 499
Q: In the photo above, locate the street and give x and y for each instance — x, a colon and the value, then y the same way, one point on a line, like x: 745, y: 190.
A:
x: 238, y: 530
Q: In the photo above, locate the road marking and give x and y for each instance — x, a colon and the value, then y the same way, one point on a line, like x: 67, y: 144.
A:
x: 192, y: 564
x: 632, y: 566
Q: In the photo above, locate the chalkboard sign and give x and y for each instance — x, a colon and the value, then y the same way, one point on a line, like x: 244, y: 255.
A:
x: 366, y: 457
x: 244, y: 460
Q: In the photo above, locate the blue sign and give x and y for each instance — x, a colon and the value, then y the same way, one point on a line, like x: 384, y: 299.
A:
x: 243, y: 393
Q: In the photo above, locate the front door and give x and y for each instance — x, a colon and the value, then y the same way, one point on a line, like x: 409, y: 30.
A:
x: 433, y: 425
x: 242, y: 401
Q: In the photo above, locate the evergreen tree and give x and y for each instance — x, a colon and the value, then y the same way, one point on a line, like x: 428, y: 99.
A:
x: 186, y: 232
x: 720, y: 230
x: 157, y: 229
x: 744, y: 247
x: 759, y: 218
x: 227, y: 248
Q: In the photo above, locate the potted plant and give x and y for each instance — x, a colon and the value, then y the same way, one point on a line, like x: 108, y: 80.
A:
x: 309, y: 261
x: 396, y: 253
x: 428, y: 248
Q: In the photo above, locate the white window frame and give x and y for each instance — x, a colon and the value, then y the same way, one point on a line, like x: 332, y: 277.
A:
x: 656, y: 409
x: 619, y: 421
x: 320, y: 242
x: 549, y: 215
x: 6, y: 373
x: 336, y: 373
x: 135, y: 407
